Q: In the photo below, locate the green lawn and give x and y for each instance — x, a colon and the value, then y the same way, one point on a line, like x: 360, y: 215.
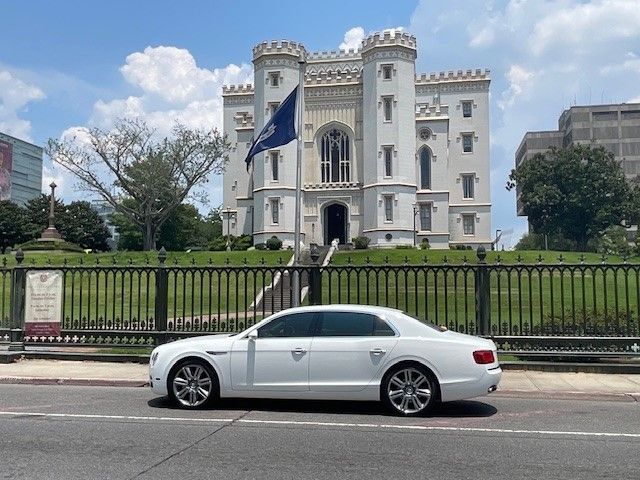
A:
x: 417, y: 257
x: 252, y: 257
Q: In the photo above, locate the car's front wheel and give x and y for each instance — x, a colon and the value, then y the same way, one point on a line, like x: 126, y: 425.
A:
x: 409, y: 390
x: 192, y: 384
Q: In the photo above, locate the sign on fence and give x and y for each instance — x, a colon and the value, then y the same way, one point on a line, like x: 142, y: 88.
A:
x: 43, y: 307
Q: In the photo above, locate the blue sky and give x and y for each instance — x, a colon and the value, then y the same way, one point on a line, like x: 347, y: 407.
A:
x: 71, y: 64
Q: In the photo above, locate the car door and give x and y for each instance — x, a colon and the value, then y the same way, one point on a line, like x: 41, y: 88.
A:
x: 348, y: 349
x: 278, y: 359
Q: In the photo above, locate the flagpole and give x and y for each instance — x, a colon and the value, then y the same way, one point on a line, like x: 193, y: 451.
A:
x: 296, y: 235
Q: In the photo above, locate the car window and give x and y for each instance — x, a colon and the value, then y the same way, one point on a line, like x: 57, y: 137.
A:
x: 382, y: 328
x: 294, y: 325
x: 352, y: 324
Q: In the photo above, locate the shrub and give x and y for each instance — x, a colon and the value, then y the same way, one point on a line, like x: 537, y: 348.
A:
x: 243, y: 242
x: 404, y: 247
x: 274, y: 243
x: 424, y: 244
x: 612, y: 241
x: 361, y: 243
x: 218, y: 244
x: 60, y: 245
x: 260, y: 246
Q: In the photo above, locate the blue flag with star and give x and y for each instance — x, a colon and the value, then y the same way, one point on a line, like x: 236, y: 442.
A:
x: 280, y: 130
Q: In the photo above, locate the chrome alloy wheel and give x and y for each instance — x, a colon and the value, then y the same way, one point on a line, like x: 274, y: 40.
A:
x: 409, y: 391
x: 192, y: 385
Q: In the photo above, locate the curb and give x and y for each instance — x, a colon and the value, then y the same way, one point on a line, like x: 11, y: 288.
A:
x: 77, y: 382
x: 568, y: 395
x: 572, y: 367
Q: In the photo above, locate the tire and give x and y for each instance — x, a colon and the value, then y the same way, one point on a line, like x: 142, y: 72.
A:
x: 409, y: 390
x: 192, y: 384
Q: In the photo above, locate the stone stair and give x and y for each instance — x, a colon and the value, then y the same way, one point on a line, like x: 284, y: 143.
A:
x: 280, y: 296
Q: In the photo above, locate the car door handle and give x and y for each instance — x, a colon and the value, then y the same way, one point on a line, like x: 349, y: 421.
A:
x: 298, y: 351
x: 378, y: 351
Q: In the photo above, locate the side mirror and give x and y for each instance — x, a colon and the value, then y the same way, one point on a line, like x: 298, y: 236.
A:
x: 252, y: 335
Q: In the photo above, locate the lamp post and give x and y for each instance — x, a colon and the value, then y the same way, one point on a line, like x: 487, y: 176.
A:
x: 228, y: 211
x: 415, y: 211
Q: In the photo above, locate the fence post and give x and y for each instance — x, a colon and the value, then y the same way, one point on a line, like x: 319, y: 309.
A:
x: 18, y: 292
x: 315, y: 276
x: 161, y: 298
x: 483, y: 293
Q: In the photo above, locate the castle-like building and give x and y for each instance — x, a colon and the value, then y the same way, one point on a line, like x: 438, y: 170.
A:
x: 388, y: 154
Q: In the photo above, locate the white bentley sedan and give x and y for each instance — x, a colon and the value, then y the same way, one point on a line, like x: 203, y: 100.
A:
x: 330, y: 352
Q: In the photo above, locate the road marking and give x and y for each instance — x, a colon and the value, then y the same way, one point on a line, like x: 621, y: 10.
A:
x: 387, y: 426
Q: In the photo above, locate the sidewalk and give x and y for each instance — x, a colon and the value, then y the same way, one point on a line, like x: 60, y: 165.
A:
x: 514, y: 382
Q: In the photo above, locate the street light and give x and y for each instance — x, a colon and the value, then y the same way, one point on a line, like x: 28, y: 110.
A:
x: 228, y: 211
x: 415, y: 211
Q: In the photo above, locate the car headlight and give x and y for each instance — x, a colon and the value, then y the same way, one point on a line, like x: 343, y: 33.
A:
x: 154, y: 357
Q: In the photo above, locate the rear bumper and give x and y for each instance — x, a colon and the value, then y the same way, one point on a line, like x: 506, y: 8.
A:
x: 487, y: 383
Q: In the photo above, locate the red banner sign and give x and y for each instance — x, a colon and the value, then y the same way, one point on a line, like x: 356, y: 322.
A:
x: 6, y: 164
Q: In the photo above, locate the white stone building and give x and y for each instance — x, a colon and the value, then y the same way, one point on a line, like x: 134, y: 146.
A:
x: 384, y: 149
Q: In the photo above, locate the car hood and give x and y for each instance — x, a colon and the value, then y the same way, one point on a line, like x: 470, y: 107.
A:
x: 195, y: 342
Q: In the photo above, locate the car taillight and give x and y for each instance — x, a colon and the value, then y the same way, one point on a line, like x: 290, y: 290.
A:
x: 484, y: 356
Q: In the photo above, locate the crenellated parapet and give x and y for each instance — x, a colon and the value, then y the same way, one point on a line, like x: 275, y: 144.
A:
x: 350, y: 54
x: 333, y: 77
x: 451, y: 76
x: 237, y: 89
x: 278, y: 47
x: 388, y: 38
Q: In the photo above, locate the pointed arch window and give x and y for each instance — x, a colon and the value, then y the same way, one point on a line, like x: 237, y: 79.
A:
x: 335, y: 155
x: 425, y: 169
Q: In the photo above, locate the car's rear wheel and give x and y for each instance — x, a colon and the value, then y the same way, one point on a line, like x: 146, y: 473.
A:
x: 192, y: 384
x: 409, y: 390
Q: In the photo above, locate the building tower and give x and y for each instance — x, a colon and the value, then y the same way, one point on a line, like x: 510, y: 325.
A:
x: 388, y: 123
x: 274, y: 171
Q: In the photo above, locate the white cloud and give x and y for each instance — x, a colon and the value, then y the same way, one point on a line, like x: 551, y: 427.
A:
x: 519, y: 79
x: 173, y: 88
x: 579, y: 26
x: 15, y: 95
x: 352, y: 39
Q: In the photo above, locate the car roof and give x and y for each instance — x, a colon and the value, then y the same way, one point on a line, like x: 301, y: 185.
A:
x: 344, y: 308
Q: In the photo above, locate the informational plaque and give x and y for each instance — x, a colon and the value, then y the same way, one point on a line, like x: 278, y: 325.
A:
x: 43, y: 308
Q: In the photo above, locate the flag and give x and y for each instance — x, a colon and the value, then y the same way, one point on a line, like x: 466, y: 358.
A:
x: 280, y: 130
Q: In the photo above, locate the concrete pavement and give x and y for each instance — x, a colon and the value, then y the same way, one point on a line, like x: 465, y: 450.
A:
x: 514, y: 382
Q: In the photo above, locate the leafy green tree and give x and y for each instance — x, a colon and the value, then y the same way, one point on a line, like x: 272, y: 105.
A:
x: 14, y: 227
x: 37, y: 211
x: 576, y: 192
x: 181, y: 229
x: 131, y: 161
x: 77, y: 222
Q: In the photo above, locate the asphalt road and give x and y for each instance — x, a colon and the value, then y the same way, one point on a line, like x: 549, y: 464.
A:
x: 51, y: 432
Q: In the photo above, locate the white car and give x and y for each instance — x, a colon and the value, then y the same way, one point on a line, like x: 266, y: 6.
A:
x: 330, y: 352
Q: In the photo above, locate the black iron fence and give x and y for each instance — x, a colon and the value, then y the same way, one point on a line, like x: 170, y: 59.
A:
x: 523, y: 307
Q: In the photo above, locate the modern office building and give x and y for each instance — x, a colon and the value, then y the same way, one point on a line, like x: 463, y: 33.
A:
x: 388, y: 154
x: 105, y: 210
x: 20, y: 169
x: 614, y: 127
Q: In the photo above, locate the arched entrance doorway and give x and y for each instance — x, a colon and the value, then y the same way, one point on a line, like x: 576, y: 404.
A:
x: 335, y: 223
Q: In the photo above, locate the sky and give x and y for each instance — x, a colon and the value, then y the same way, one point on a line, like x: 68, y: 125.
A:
x: 71, y: 64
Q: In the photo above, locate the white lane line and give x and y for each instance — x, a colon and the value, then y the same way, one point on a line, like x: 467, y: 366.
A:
x: 112, y: 417
x: 322, y: 424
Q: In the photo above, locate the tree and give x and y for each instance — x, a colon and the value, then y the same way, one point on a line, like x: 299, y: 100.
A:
x: 181, y: 229
x: 131, y: 162
x: 14, y: 227
x: 77, y: 222
x: 37, y: 210
x: 576, y: 192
